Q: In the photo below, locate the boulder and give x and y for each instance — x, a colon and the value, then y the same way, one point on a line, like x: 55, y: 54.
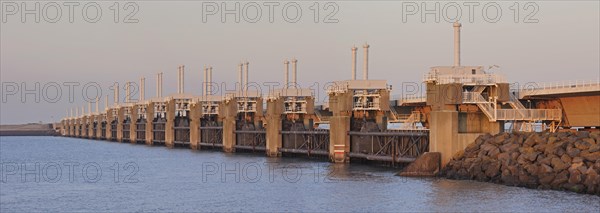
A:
x: 573, y: 152
x: 561, y: 178
x: 594, y: 148
x: 540, y: 147
x: 458, y: 155
x: 583, y: 134
x: 494, y: 152
x: 558, y: 164
x: 530, y: 141
x: 566, y: 159
x: 532, y: 169
x: 552, y: 139
x: 492, y: 170
x: 590, y: 156
x: 591, y: 179
x: 510, y: 147
x: 575, y: 177
x: 590, y: 141
x: 499, y: 139
x: 545, y: 169
x: 577, y: 160
x: 486, y: 147
x: 582, y: 145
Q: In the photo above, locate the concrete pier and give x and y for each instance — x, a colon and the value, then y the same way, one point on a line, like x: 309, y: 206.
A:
x: 119, y: 118
x: 149, y: 123
x: 133, y: 125
x: 273, y: 128
x: 170, y: 124
x: 195, y: 115
x: 228, y: 108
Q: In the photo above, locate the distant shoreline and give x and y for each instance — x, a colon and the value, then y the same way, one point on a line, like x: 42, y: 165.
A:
x: 32, y: 129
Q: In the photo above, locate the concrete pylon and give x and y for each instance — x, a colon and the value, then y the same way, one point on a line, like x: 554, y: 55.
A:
x: 366, y: 62
x: 294, y: 72
x: 456, y: 26
x: 229, y: 110
x: 142, y: 89
x: 149, y: 123
x: 354, y: 63
x: 77, y: 127
x: 286, y: 63
x: 106, y: 103
x: 210, y: 80
x: 120, y: 118
x: 116, y: 95
x: 133, y: 124
x: 109, y: 119
x: 181, y: 80
x: 204, y: 82
x: 158, y: 85
x: 274, y: 140
x: 241, y: 75
x: 246, y: 82
x: 170, y: 124
x: 195, y: 114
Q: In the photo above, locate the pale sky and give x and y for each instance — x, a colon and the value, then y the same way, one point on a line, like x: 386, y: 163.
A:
x: 563, y: 45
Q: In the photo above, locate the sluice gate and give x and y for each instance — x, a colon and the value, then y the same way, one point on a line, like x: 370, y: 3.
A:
x: 181, y: 125
x: 309, y: 142
x: 159, y: 124
x: 396, y: 146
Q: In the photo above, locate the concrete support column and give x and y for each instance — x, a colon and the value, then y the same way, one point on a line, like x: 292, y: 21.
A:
x: 77, y: 127
x: 133, y: 126
x: 83, y: 127
x: 339, y: 140
x: 229, y: 111
x: 195, y: 114
x: 91, y: 119
x: 98, y: 119
x: 443, y: 134
x: 170, y: 124
x: 149, y: 123
x: 66, y: 127
x: 274, y: 140
x: 120, y: 118
x: 109, y: 119
x: 259, y: 110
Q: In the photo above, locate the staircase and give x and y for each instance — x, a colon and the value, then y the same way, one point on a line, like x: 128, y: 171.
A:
x: 394, y: 114
x: 487, y: 107
x: 515, y: 103
x: 518, y: 113
x: 410, y: 122
x: 322, y: 119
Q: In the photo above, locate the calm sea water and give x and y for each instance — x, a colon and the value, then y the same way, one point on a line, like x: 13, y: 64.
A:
x: 66, y: 174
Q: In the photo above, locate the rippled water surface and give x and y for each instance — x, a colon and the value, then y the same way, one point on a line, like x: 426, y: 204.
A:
x: 58, y: 174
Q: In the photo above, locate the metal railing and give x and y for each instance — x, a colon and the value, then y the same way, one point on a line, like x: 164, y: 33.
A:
x: 562, y: 85
x: 529, y: 114
x: 468, y: 79
x: 515, y: 103
x: 410, y: 98
x: 473, y: 98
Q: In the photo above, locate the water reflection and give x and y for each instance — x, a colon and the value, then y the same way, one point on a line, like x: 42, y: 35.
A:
x: 185, y: 180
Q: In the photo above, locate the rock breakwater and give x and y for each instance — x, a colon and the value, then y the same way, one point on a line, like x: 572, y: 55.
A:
x: 559, y: 161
